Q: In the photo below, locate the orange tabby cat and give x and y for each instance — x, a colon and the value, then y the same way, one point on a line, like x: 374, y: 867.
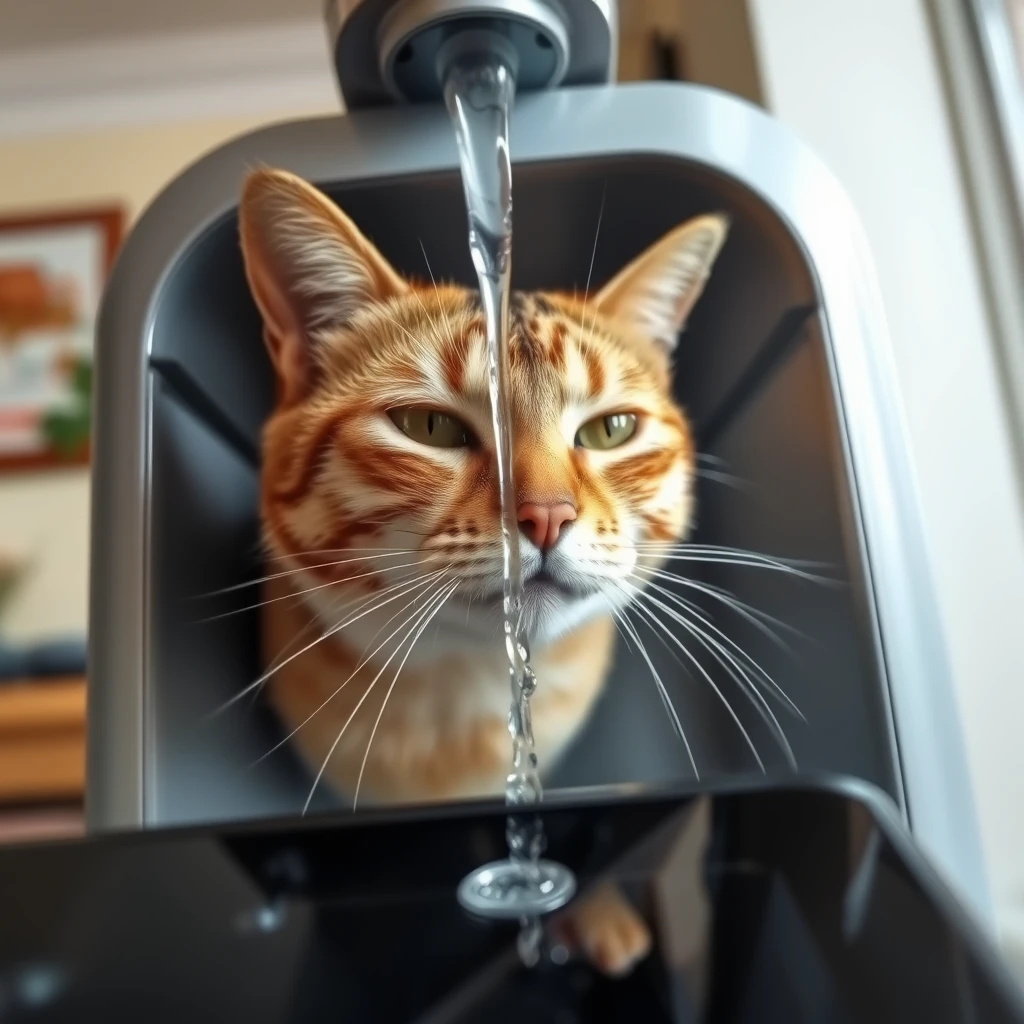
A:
x: 379, y: 499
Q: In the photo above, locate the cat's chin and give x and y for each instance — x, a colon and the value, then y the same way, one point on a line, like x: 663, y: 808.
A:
x: 547, y: 609
x: 550, y: 611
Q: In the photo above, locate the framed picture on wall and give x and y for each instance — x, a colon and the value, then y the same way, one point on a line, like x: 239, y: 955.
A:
x: 52, y: 271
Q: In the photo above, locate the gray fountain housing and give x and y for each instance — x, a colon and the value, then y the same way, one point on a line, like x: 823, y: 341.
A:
x: 785, y: 370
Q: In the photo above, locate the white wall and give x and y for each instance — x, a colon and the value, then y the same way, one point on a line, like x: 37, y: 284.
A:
x: 861, y: 83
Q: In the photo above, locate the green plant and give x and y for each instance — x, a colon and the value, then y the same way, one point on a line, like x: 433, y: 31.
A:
x: 67, y: 426
x: 11, y: 573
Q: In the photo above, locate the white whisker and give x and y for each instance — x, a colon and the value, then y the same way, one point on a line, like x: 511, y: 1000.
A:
x: 359, y: 703
x: 719, y: 559
x: 746, y: 684
x: 726, y: 549
x: 653, y: 620
x: 334, y: 551
x: 419, y: 299
x: 383, y: 552
x: 363, y: 662
x: 341, y: 605
x: 750, y: 689
x: 730, y: 600
x: 733, y: 603
x: 323, y: 636
x: 380, y: 714
x: 310, y: 590
x: 433, y: 281
x: 619, y: 630
x: 676, y: 549
x: 662, y: 691
x: 593, y: 255
x: 384, y: 625
x: 735, y: 482
x: 696, y: 611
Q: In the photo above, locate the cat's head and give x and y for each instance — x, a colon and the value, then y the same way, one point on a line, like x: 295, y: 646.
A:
x: 378, y: 460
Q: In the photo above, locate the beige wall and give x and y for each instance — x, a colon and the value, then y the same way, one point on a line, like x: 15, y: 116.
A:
x: 1016, y: 8
x: 720, y: 49
x: 46, y: 515
x: 638, y: 19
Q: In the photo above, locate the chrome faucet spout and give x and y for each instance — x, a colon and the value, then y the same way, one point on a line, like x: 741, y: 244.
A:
x: 388, y: 51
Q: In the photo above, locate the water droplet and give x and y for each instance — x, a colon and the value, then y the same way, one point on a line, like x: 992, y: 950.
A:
x: 559, y: 954
x: 263, y: 920
x: 39, y: 985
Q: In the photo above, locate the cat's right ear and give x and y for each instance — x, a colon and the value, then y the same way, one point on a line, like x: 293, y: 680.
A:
x: 656, y: 292
x: 309, y: 268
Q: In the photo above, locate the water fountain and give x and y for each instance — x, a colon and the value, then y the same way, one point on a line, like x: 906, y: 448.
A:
x: 785, y: 370
x: 479, y: 69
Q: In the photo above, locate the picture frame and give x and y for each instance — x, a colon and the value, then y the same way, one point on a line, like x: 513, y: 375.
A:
x: 53, y: 267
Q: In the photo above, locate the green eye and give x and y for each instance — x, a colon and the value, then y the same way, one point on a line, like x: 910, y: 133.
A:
x: 430, y: 427
x: 607, y: 431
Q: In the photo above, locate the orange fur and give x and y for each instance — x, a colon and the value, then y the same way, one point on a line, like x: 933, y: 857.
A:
x: 424, y: 750
x: 378, y: 538
x: 330, y: 482
x: 356, y: 513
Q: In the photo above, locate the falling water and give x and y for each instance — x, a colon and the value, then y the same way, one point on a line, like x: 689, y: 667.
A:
x: 479, y: 90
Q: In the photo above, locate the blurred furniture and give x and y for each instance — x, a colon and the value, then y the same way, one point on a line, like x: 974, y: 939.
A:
x: 42, y: 757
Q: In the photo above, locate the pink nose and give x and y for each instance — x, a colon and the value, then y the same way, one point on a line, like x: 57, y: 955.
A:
x: 543, y: 523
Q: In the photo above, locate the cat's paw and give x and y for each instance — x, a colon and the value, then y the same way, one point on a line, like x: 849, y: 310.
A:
x: 612, y: 935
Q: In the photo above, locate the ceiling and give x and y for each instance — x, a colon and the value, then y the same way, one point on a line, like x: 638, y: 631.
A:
x: 34, y: 24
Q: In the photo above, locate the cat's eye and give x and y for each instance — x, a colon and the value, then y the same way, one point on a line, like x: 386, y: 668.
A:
x: 431, y: 427
x: 606, y: 432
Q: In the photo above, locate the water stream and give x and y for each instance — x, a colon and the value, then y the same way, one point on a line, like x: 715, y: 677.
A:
x: 479, y: 93
x: 479, y: 90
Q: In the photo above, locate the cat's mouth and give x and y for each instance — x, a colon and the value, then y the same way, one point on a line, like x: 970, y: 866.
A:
x: 542, y: 586
x: 543, y: 582
x: 553, y: 600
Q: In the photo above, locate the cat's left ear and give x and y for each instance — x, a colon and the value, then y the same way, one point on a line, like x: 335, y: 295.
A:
x: 655, y: 293
x: 309, y: 269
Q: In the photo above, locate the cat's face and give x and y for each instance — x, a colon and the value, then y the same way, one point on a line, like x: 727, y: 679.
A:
x: 379, y: 456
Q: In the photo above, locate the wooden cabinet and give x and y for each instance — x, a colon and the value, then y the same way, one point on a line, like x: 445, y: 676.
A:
x: 42, y: 758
